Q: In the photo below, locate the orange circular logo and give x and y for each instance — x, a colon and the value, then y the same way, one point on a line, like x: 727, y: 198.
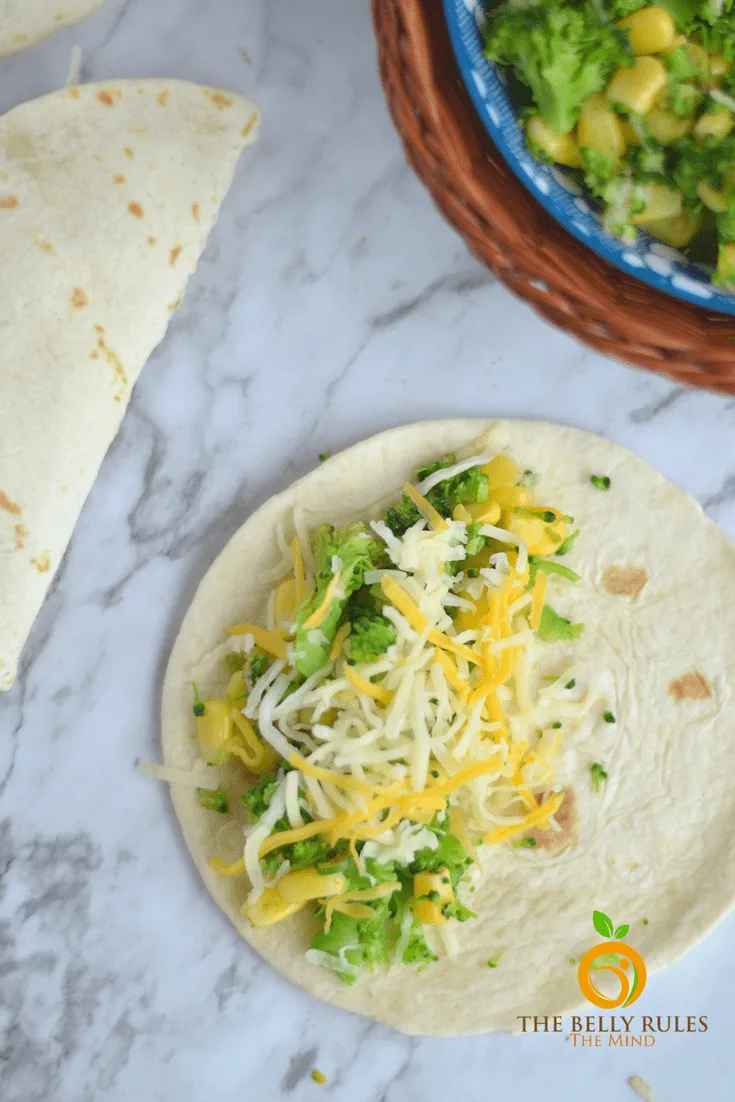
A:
x: 629, y: 969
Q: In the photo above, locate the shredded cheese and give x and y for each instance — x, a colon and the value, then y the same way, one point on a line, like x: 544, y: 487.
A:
x: 337, y: 902
x: 377, y: 692
x: 433, y: 518
x: 272, y: 642
x: 320, y: 614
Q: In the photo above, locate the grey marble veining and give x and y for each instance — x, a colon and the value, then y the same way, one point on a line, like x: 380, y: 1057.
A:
x: 332, y: 302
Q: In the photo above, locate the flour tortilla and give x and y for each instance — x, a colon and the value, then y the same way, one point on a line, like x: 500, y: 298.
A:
x: 23, y: 22
x: 107, y: 195
x: 656, y: 843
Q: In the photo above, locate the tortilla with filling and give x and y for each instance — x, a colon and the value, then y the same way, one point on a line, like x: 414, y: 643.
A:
x: 652, y: 847
x: 23, y: 22
x: 107, y: 195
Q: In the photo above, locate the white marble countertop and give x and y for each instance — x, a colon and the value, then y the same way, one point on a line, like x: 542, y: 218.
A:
x: 332, y: 302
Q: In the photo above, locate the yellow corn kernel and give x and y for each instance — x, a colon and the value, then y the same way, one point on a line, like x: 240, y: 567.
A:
x: 562, y: 148
x: 460, y: 513
x: 677, y: 231
x: 214, y: 729
x: 719, y: 65
x: 270, y: 907
x: 255, y: 753
x: 637, y: 87
x: 698, y: 57
x: 651, y: 30
x: 717, y: 199
x: 726, y: 263
x: 630, y: 134
x: 237, y: 694
x: 426, y: 910
x: 542, y: 537
x: 661, y: 202
x: 665, y: 127
x: 679, y: 40
x: 502, y: 471
x: 599, y: 128
x: 714, y: 124
x: 488, y: 513
x: 306, y: 884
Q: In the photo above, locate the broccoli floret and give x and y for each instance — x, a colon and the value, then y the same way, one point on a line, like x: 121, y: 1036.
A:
x: 598, y: 170
x: 562, y: 54
x: 726, y: 222
x: 259, y: 665
x: 258, y: 798
x: 370, y: 637
x: 725, y: 274
x: 351, y: 551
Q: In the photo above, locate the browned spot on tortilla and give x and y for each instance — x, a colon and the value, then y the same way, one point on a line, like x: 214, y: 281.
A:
x: 174, y: 305
x: 118, y: 179
x: 94, y: 354
x: 174, y: 255
x: 78, y: 299
x: 46, y: 246
x: 9, y: 505
x: 690, y: 686
x: 162, y: 97
x: 195, y: 210
x: 151, y: 240
x: 128, y: 152
x: 568, y: 819
x: 99, y: 328
x: 624, y: 581
x: 74, y: 93
x: 43, y: 562
x: 21, y: 535
x: 221, y: 101
x: 136, y: 209
x: 106, y: 97
x: 10, y: 203
x: 119, y: 377
x: 249, y: 126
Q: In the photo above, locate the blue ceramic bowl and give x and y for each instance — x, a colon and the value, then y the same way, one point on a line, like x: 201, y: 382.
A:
x: 646, y: 259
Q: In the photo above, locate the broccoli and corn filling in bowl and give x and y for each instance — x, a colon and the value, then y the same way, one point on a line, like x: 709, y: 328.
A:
x: 639, y: 101
x: 397, y: 716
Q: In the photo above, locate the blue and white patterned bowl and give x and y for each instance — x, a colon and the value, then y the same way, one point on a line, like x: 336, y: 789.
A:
x: 646, y: 259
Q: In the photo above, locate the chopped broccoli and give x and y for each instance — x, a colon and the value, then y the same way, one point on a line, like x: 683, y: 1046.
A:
x: 235, y: 662
x: 370, y: 637
x: 598, y: 775
x: 475, y: 540
x: 349, y: 551
x: 554, y: 628
x: 598, y: 170
x: 214, y: 801
x: 560, y: 53
x: 469, y: 486
x: 549, y: 567
x: 259, y: 665
x: 198, y: 706
x: 258, y: 798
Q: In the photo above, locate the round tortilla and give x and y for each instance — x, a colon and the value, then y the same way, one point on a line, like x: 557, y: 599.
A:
x: 23, y: 22
x: 654, y: 844
x: 107, y: 195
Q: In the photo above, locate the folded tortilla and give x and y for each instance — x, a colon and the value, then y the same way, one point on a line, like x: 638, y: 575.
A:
x: 23, y: 22
x: 107, y: 195
x: 652, y: 847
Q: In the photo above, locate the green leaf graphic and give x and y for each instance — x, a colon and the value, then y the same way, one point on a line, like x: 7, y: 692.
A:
x: 602, y: 923
x: 621, y: 931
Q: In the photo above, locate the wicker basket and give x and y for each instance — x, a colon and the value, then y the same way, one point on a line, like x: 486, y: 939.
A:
x: 510, y: 233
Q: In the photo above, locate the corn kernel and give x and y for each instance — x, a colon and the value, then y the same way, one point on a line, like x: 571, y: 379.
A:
x: 502, y: 471
x: 429, y: 911
x: 665, y: 126
x: 630, y: 134
x: 698, y: 57
x: 677, y: 231
x: 717, y: 199
x: 236, y: 691
x: 651, y: 30
x: 715, y: 124
x: 562, y: 148
x: 306, y: 884
x: 599, y: 128
x: 270, y: 907
x: 661, y: 202
x: 214, y: 729
x: 719, y: 65
x: 542, y: 536
x: 637, y: 87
